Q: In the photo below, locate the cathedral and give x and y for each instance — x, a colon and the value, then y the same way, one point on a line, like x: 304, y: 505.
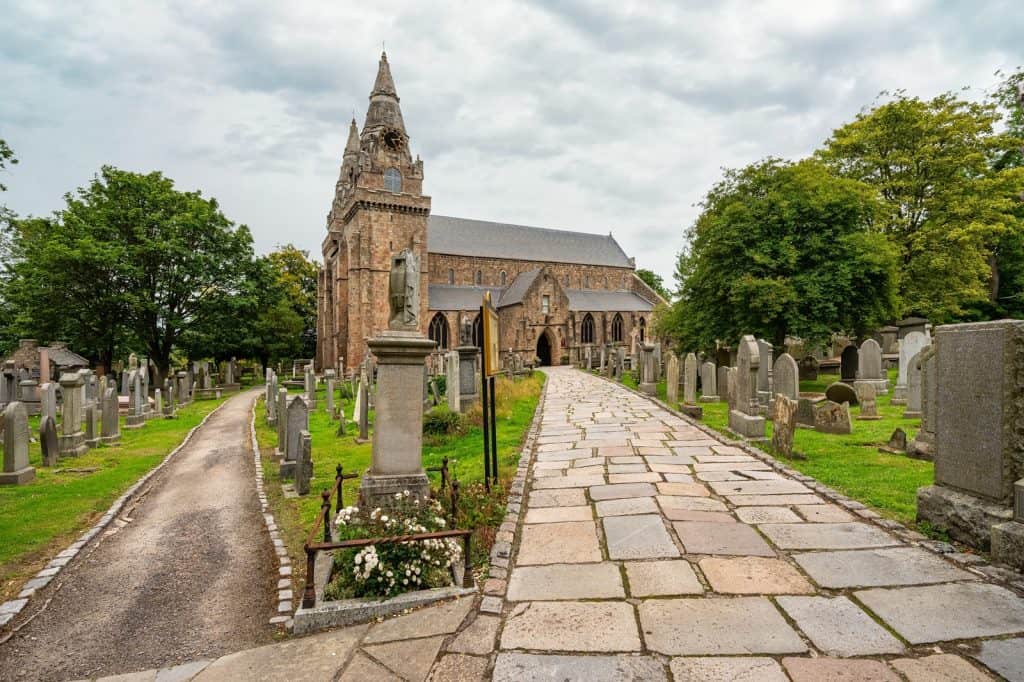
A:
x: 556, y: 291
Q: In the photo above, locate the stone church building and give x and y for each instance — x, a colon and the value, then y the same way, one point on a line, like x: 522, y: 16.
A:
x: 556, y: 291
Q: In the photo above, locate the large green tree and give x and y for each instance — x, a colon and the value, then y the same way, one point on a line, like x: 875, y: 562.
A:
x: 296, y: 275
x: 129, y: 263
x: 947, y: 205
x: 1008, y: 252
x: 654, y: 281
x: 782, y: 249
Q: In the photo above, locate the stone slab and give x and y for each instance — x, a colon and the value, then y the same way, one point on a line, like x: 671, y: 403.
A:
x: 683, y: 489
x: 771, y: 500
x: 570, y: 542
x: 878, y: 567
x: 627, y: 505
x: 740, y: 669
x: 440, y: 619
x: 576, y: 481
x: 826, y: 535
x: 514, y: 667
x: 566, y: 497
x: 598, y: 627
x: 410, y: 659
x: 700, y: 537
x: 478, y: 638
x: 1004, y: 656
x: 456, y: 668
x: 669, y: 502
x: 824, y: 513
x: 757, y: 515
x: 708, y: 516
x: 565, y: 581
x: 838, y: 670
x: 620, y: 490
x: 557, y: 514
x: 943, y: 668
x: 777, y: 487
x: 838, y: 627
x: 938, y: 613
x: 754, y: 575
x: 731, y: 466
x: 662, y: 578
x: 638, y: 537
x: 744, y: 625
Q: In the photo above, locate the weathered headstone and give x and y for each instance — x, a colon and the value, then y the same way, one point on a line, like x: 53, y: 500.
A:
x: 304, y: 464
x: 722, y: 382
x: 708, y: 383
x: 648, y: 382
x: 730, y: 388
x: 310, y: 387
x: 16, y: 469
x: 298, y: 421
x: 784, y: 424
x: 745, y: 418
x: 92, y: 433
x: 913, y: 392
x: 690, y: 379
x: 671, y: 378
x: 329, y: 383
x: 28, y: 395
x: 897, y: 444
x: 466, y: 386
x: 979, y: 410
x: 72, y: 438
x: 840, y: 392
x: 361, y: 414
x: 451, y: 381
x: 869, y: 367
x: 588, y: 357
x: 282, y: 420
x: 136, y: 413
x: 923, y: 444
x: 764, y: 373
x: 48, y: 441
x: 48, y: 400
x: 910, y: 345
x: 805, y: 412
x: 110, y: 430
x: 848, y: 363
x: 158, y: 401
x: 786, y: 377
x: 832, y: 417
x: 867, y: 400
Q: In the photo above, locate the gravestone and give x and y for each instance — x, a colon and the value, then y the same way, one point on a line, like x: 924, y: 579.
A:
x: 708, y: 383
x: 126, y: 382
x: 466, y: 386
x: 897, y: 444
x: 910, y: 345
x: 869, y: 367
x: 144, y: 391
x: 48, y: 441
x: 310, y: 387
x: 110, y: 429
x: 92, y: 433
x: 169, y: 407
x: 913, y: 392
x: 435, y: 395
x: 764, y: 373
x: 44, y: 366
x: 361, y: 413
x: 730, y: 388
x: 48, y: 400
x: 588, y: 357
x: 297, y: 417
x: 282, y: 420
x: 840, y: 392
x: 271, y: 401
x: 832, y: 417
x: 805, y: 413
x: 784, y: 424
x: 304, y: 465
x: 28, y: 395
x: 72, y: 438
x: 923, y: 444
x: 889, y: 338
x: 136, y: 418
x: 786, y: 377
x: 648, y: 382
x: 745, y: 418
x: 158, y: 401
x: 671, y: 378
x: 690, y: 379
x: 848, y: 363
x: 600, y: 367
x: 658, y: 366
x: 722, y: 382
x: 979, y: 441
x: 867, y: 400
x: 329, y: 383
x: 16, y: 470
x: 620, y: 361
x: 184, y: 396
x: 451, y: 381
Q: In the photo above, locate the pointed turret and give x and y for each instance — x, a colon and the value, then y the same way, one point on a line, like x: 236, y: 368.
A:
x: 352, y: 146
x: 384, y: 112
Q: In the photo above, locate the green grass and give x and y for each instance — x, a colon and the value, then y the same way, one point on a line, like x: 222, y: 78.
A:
x: 516, y: 403
x: 42, y: 517
x: 851, y: 463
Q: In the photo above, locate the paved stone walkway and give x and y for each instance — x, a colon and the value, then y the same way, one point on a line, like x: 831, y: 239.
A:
x: 650, y: 550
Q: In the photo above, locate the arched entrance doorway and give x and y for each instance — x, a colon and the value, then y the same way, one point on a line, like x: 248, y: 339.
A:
x: 544, y: 349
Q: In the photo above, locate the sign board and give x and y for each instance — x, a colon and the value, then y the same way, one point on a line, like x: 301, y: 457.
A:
x: 489, y: 319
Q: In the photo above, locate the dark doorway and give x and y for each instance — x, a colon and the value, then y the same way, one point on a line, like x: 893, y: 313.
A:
x: 544, y: 350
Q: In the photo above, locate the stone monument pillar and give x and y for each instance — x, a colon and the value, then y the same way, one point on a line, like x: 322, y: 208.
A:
x: 648, y: 378
x: 397, y: 462
x: 72, y: 438
x: 453, y: 387
x: 468, y: 393
x: 744, y: 415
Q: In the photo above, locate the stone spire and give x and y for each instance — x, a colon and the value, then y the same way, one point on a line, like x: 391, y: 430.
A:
x: 352, y: 146
x: 384, y: 112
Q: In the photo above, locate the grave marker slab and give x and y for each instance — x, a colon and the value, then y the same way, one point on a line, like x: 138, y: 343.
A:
x: 786, y: 377
x: 708, y: 383
x: 16, y: 469
x: 110, y: 429
x: 48, y: 441
x: 832, y: 417
x: 744, y: 417
x: 690, y: 379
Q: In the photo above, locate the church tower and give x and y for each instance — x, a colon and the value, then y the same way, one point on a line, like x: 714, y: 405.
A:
x: 378, y: 210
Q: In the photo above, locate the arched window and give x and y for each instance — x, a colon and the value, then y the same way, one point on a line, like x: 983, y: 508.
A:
x: 617, y: 328
x: 438, y: 331
x: 625, y: 281
x: 451, y: 276
x: 643, y: 329
x: 606, y: 281
x: 479, y: 277
x: 503, y: 278
x: 587, y: 329
x: 392, y: 180
x: 478, y: 331
x: 586, y: 282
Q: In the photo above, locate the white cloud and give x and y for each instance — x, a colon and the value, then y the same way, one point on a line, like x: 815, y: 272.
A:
x: 588, y: 116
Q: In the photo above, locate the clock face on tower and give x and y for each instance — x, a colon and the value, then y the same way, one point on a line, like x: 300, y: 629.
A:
x: 393, y: 140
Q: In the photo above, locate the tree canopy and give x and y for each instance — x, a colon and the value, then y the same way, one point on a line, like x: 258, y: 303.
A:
x: 654, y: 281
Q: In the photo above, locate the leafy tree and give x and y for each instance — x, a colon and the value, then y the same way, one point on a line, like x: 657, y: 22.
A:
x: 654, y: 281
x: 133, y: 262
x: 782, y: 249
x: 1008, y: 252
x: 933, y: 165
x: 297, y: 276
x: 6, y: 157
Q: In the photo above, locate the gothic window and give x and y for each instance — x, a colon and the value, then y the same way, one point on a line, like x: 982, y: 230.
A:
x: 606, y: 281
x: 545, y: 304
x: 451, y: 276
x: 643, y: 329
x: 617, y: 328
x: 392, y: 180
x: 438, y: 331
x: 587, y: 329
x: 479, y: 277
x: 586, y: 282
x: 503, y: 278
x: 625, y: 281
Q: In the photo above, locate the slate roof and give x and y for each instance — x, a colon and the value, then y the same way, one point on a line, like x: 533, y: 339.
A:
x: 515, y: 292
x: 624, y: 301
x: 451, y: 297
x: 63, y: 357
x: 466, y: 237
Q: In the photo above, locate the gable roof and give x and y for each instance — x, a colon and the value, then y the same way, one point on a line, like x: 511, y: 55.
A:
x: 466, y: 237
x: 452, y: 297
x: 520, y: 285
x: 622, y: 301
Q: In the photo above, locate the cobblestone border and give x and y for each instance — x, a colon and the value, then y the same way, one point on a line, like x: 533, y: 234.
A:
x: 497, y: 577
x: 970, y: 562
x: 10, y: 609
x: 285, y: 597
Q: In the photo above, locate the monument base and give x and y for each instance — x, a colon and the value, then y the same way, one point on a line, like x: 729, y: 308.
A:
x: 17, y: 477
x: 692, y: 411
x: 709, y: 398
x: 746, y: 425
x: 378, y: 490
x: 966, y: 518
x: 73, y: 445
x: 912, y: 414
x: 134, y: 421
x: 922, y: 446
x: 1008, y: 543
x: 648, y: 388
x: 113, y: 441
x: 287, y: 469
x: 899, y: 395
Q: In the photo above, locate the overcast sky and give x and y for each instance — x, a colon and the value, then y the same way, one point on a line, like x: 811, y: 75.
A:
x: 598, y: 117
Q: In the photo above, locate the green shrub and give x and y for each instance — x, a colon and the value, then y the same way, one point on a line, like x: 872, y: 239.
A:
x: 442, y: 384
x: 441, y: 421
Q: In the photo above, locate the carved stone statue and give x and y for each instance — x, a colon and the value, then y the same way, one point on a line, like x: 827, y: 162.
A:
x: 404, y: 291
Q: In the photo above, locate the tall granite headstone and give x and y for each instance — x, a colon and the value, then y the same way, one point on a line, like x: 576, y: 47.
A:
x: 671, y: 378
x: 304, y: 463
x: 708, y: 383
x: 282, y: 420
x: 786, y: 377
x: 922, y: 446
x: 764, y: 373
x: 648, y: 381
x: 745, y: 418
x: 466, y: 387
x: 298, y: 421
x: 72, y: 437
x: 723, y: 382
x: 910, y: 345
x: 329, y: 383
x: 690, y: 379
x: 784, y: 423
x: 48, y: 400
x: 16, y: 470
x: 110, y: 430
x: 849, y: 361
x: 451, y: 381
x: 48, y: 441
x: 913, y: 392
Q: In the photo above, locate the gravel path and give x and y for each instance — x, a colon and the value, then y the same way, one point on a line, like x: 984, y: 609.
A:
x: 186, y: 578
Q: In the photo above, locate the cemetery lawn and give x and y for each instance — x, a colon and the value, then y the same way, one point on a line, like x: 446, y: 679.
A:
x: 40, y: 519
x: 516, y: 403
x: 851, y: 464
